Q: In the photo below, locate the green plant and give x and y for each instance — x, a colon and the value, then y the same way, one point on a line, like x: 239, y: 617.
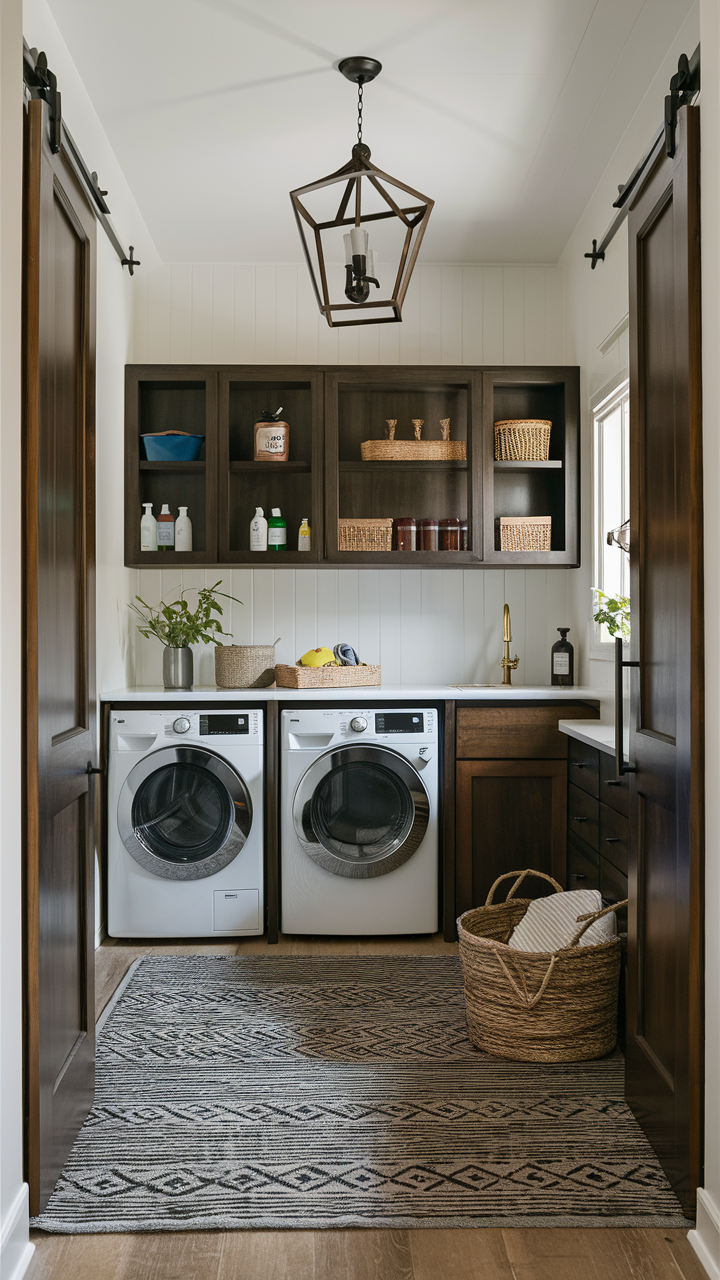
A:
x: 613, y: 612
x: 173, y: 624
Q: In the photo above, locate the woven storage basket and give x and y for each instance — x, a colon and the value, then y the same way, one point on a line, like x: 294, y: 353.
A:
x: 522, y: 440
x: 413, y: 451
x: 365, y: 535
x: 525, y: 533
x: 325, y: 677
x: 244, y: 666
x: 534, y: 1006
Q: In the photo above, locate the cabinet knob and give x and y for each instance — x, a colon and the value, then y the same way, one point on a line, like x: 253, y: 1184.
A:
x: 579, y: 819
x: 612, y: 839
x: 579, y: 875
x: 578, y: 764
x: 612, y: 782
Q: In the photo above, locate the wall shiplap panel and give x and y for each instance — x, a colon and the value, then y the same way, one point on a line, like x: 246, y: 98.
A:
x: 443, y: 625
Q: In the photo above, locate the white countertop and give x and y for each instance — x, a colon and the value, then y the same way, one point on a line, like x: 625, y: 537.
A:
x: 361, y: 693
x: 594, y: 734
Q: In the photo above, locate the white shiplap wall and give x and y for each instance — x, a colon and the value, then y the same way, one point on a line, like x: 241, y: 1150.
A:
x: 422, y: 625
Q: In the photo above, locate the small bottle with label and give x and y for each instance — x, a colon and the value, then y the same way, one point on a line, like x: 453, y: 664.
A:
x: 304, y: 535
x: 148, y: 529
x: 562, y: 660
x: 165, y: 530
x: 183, y: 531
x: 258, y: 531
x: 277, y: 531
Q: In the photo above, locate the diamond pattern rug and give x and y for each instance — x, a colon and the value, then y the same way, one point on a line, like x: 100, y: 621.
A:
x: 274, y: 1093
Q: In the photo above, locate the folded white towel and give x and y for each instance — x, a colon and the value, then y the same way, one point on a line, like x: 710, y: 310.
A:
x: 551, y: 923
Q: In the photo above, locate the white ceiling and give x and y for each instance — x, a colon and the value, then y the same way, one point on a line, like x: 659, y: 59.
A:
x: 506, y: 112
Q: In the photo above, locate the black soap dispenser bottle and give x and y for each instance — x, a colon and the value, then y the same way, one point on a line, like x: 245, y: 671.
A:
x: 562, y: 660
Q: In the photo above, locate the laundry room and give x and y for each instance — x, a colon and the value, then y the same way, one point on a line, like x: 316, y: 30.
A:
x: 362, y: 374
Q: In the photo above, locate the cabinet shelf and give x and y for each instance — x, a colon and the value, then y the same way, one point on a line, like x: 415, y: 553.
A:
x: 389, y: 467
x: 280, y: 468
x: 169, y: 465
x: 554, y: 464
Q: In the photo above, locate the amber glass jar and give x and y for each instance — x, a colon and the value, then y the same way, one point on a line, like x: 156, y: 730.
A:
x: 427, y: 535
x: 405, y: 533
x: 450, y: 534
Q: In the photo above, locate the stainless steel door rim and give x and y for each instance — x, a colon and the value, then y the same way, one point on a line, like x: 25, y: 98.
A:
x: 382, y: 841
x: 148, y: 833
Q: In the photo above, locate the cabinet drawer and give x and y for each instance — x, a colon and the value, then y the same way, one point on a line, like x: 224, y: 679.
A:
x: 582, y: 867
x: 613, y: 791
x: 614, y: 837
x: 583, y: 816
x: 516, y: 733
x: 583, y: 766
x: 614, y: 888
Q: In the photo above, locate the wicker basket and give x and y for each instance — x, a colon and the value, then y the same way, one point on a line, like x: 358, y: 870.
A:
x: 413, y: 451
x: 522, y: 440
x: 365, y: 535
x: 534, y: 1006
x: 325, y: 677
x: 525, y: 533
x: 244, y: 666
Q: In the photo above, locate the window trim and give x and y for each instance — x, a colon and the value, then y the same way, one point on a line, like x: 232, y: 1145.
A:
x: 601, y: 403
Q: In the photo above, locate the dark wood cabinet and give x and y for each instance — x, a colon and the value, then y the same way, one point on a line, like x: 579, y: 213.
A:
x: 510, y: 804
x: 331, y: 411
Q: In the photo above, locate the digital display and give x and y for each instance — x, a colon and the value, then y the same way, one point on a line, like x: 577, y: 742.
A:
x: 211, y: 726
x: 398, y: 722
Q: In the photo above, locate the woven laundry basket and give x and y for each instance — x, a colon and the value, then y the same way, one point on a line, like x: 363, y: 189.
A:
x: 522, y: 440
x: 533, y: 1006
x: 244, y: 666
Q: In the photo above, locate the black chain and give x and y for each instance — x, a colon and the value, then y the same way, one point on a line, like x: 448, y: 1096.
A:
x: 360, y: 110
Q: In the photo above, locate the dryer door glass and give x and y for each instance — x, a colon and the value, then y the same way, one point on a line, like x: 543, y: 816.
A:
x: 361, y: 810
x: 182, y: 813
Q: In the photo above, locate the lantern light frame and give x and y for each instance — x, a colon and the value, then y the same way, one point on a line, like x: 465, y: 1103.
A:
x: 413, y: 217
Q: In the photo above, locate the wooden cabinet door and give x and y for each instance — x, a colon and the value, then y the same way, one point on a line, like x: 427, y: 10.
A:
x: 664, y: 1077
x: 510, y: 814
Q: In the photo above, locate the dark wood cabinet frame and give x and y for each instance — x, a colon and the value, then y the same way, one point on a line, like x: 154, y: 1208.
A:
x: 488, y: 392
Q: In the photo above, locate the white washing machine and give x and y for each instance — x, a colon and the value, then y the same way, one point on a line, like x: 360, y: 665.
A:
x: 185, y: 824
x: 360, y: 850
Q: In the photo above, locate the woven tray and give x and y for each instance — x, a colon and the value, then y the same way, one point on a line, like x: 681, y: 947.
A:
x: 365, y: 535
x: 522, y: 440
x: 413, y: 451
x: 325, y: 677
x: 525, y: 533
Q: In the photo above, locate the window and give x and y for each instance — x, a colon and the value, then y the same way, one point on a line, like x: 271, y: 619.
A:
x: 611, y: 506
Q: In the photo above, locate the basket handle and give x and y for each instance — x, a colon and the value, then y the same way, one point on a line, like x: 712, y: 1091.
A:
x: 592, y: 916
x: 523, y: 996
x: 520, y: 877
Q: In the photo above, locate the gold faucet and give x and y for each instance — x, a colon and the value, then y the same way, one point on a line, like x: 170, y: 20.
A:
x: 508, y: 664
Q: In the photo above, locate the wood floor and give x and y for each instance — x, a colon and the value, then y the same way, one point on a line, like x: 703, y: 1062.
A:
x: 529, y: 1254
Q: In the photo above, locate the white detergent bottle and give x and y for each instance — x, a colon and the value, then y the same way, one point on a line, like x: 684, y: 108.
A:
x: 148, y: 529
x: 258, y: 531
x: 183, y: 531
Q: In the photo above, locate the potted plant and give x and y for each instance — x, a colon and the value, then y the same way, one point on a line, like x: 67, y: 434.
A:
x: 613, y: 612
x: 176, y: 627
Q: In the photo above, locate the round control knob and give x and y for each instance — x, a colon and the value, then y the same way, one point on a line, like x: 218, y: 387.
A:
x: 358, y: 724
x: 181, y: 725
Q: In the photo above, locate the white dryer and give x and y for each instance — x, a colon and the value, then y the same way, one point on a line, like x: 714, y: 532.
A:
x: 359, y: 833
x: 185, y: 823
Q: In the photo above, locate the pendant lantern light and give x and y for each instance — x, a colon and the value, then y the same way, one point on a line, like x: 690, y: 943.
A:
x: 359, y: 232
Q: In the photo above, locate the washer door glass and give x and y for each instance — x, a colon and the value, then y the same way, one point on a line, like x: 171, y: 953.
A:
x: 184, y: 813
x: 361, y: 811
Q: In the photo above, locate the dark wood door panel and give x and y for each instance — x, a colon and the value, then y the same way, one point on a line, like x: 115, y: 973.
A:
x: 59, y: 691
x: 509, y: 815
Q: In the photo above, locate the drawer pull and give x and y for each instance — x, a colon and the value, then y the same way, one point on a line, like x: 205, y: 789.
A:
x: 579, y: 819
x: 612, y: 839
x: 578, y: 764
x: 579, y: 875
x: 612, y: 782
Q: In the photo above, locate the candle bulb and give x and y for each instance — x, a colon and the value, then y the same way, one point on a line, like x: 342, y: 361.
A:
x: 348, y: 250
x: 359, y: 241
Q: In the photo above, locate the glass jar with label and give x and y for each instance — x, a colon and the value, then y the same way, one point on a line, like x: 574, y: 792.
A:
x: 450, y: 534
x: 427, y: 535
x: 405, y: 534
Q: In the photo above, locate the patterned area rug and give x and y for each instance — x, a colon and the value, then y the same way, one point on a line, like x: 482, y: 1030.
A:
x: 340, y: 1092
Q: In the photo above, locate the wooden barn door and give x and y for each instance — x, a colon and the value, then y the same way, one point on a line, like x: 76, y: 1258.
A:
x: 665, y: 991
x: 58, y: 538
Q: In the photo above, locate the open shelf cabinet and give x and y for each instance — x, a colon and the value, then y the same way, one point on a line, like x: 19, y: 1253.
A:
x: 331, y: 411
